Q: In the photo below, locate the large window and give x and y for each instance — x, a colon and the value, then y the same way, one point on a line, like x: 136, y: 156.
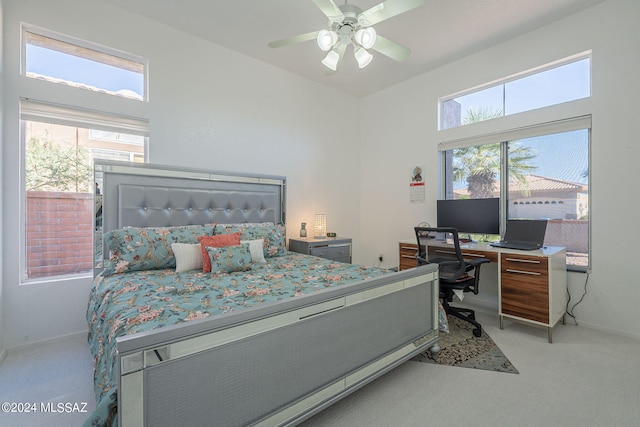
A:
x: 544, y: 174
x: 60, y: 195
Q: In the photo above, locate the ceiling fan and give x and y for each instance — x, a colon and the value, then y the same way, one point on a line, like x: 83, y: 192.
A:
x: 349, y: 25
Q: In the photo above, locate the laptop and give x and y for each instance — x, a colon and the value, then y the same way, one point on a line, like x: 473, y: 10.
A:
x: 523, y: 234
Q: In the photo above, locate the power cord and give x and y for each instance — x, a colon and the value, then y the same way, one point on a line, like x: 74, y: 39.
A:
x: 569, y: 311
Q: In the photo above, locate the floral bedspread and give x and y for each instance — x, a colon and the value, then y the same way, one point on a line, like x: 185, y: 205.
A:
x: 138, y: 301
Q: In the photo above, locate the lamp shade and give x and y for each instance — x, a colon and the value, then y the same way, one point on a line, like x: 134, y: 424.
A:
x: 362, y: 56
x: 326, y: 39
x: 320, y: 227
x: 366, y: 37
x: 331, y: 60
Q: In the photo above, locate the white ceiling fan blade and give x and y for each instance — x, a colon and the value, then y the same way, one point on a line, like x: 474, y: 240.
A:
x: 295, y: 39
x: 329, y: 8
x: 391, y: 49
x: 388, y: 9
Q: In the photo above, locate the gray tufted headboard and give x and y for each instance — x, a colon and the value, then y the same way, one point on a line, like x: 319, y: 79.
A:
x: 146, y: 195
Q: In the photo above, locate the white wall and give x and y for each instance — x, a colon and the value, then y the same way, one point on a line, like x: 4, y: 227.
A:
x: 208, y: 107
x: 212, y: 108
x: 2, y: 345
x: 400, y: 131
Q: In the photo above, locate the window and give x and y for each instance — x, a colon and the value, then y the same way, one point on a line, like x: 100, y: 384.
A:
x: 64, y: 60
x: 59, y: 190
x: 548, y: 179
x: 549, y: 85
x: 539, y: 173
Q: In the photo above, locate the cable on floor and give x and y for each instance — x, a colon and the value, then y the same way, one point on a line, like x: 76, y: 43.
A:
x: 569, y: 311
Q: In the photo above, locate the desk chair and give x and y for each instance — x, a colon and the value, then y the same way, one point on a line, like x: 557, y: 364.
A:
x: 455, y: 272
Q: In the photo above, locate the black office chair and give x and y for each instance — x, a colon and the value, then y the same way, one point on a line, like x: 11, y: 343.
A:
x: 454, y: 271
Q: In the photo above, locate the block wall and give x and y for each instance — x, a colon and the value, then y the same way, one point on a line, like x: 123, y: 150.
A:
x: 59, y: 229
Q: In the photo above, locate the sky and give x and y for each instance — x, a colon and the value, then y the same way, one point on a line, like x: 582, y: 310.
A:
x: 560, y: 84
x: 79, y: 70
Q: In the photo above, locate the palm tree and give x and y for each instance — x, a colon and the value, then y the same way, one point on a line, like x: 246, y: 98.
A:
x: 479, y: 165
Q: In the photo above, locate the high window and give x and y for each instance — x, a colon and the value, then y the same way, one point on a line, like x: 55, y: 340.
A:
x: 62, y: 59
x: 60, y: 144
x: 564, y: 81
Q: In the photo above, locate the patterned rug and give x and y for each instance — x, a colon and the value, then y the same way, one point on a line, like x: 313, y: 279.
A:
x: 461, y: 348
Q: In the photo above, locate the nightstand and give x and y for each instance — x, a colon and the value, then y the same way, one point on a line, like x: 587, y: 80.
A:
x: 334, y: 248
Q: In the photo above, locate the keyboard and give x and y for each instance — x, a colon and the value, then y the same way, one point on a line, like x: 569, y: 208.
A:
x: 523, y: 246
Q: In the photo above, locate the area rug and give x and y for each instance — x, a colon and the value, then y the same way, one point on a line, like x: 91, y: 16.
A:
x: 461, y: 348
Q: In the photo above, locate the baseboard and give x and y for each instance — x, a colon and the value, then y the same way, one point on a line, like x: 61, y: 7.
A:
x: 603, y: 329
x: 35, y: 344
x: 489, y: 306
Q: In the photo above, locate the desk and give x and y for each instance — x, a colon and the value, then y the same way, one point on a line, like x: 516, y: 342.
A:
x: 532, y: 285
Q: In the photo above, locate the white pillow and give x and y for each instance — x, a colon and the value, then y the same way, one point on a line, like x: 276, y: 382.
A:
x: 188, y: 256
x: 256, y: 247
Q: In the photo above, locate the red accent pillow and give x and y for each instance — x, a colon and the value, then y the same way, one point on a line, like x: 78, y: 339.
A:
x: 216, y: 241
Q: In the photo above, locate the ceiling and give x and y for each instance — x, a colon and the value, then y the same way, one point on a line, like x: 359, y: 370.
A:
x: 438, y: 32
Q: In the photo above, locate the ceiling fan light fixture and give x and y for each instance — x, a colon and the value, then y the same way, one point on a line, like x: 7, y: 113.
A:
x: 331, y: 60
x: 366, y: 37
x: 327, y: 39
x: 348, y: 26
x: 362, y: 56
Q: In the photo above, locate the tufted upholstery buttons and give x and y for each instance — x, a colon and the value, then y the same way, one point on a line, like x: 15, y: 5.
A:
x: 148, y: 206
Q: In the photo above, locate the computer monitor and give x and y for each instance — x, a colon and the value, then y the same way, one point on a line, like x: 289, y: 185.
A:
x: 473, y: 216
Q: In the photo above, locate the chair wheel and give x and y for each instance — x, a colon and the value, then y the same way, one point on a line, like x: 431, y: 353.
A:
x: 477, y: 332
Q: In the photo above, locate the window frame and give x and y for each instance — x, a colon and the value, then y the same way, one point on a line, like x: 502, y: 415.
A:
x: 88, y: 50
x: 45, y: 112
x: 514, y: 77
x: 503, y: 138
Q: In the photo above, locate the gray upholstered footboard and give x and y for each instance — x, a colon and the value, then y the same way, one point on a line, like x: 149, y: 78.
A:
x: 277, y: 364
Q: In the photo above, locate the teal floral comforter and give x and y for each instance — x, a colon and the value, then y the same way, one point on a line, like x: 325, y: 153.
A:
x: 139, y: 301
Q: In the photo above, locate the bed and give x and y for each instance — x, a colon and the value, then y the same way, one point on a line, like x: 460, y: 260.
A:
x: 267, y: 337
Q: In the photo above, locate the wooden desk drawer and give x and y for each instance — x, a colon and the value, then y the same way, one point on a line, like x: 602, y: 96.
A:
x: 525, y: 265
x: 525, y: 299
x: 408, y: 252
x: 524, y: 287
x: 470, y: 253
x: 439, y: 252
